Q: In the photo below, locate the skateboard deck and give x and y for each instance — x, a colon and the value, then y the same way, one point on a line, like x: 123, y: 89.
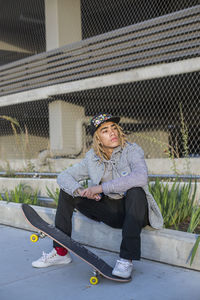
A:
x: 43, y: 228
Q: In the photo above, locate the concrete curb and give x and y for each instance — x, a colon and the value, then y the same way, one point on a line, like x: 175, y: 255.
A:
x: 165, y: 245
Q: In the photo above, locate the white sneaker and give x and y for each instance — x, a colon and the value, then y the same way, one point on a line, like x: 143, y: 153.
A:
x: 123, y: 268
x: 51, y: 259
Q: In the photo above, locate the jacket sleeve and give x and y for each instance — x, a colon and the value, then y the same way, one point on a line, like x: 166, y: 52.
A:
x: 137, y: 178
x: 68, y: 180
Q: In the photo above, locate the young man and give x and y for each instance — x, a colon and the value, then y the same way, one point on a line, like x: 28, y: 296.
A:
x: 118, y: 194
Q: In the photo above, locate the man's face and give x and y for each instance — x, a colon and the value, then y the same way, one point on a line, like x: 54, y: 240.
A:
x: 108, y: 135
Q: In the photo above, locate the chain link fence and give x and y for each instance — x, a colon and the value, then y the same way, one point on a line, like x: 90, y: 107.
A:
x: 103, y: 16
x: 161, y: 113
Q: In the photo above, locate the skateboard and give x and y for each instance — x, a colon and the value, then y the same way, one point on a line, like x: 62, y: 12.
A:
x: 100, y: 267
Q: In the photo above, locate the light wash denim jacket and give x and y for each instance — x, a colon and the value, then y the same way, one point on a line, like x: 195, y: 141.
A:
x: 129, y: 170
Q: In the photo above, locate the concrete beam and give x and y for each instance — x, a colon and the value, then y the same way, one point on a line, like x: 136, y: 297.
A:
x: 138, y: 74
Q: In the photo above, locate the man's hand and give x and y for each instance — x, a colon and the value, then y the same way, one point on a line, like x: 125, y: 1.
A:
x: 91, y: 192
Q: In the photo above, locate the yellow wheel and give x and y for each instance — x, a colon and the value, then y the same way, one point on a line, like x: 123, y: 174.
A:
x: 34, y: 238
x: 94, y: 280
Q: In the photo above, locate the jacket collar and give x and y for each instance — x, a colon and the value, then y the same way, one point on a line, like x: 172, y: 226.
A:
x: 115, y: 151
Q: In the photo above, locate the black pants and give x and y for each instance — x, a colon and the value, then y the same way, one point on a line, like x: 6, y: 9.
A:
x: 129, y: 213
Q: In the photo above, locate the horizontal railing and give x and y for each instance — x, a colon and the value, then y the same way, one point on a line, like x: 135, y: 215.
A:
x: 48, y: 174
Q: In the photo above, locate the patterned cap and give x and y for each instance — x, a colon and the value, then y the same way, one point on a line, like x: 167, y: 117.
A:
x: 101, y: 118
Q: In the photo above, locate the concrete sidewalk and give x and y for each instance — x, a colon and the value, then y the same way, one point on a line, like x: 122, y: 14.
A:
x: 18, y: 280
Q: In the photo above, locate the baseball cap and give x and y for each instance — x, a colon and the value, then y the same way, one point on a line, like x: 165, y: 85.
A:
x: 101, y: 118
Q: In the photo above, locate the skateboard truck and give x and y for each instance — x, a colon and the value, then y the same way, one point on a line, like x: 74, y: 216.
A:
x: 95, y: 278
x: 35, y: 236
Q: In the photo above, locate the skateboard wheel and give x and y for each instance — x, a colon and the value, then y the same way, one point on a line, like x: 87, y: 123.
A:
x: 34, y: 238
x: 94, y: 280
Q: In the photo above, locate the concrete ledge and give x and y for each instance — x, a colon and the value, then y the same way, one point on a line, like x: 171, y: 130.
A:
x: 155, y: 165
x: 167, y: 246
x: 40, y: 184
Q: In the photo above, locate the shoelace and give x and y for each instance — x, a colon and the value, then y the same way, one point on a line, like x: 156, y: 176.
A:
x: 46, y: 256
x: 123, y: 264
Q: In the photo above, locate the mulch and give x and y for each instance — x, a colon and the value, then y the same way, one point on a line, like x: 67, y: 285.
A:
x: 183, y: 226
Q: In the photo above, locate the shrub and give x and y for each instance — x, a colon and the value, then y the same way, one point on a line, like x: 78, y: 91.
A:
x: 22, y: 193
x: 176, y: 203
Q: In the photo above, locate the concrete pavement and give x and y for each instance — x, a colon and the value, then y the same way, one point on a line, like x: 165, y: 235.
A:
x: 18, y: 280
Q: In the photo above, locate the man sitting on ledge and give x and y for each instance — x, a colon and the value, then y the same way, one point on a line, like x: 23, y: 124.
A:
x: 118, y: 195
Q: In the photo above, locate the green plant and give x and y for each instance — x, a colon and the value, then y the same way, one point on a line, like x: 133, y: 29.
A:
x: 85, y: 184
x: 53, y: 195
x: 194, y: 249
x: 22, y: 193
x: 176, y: 203
x: 194, y: 219
x: 184, y: 135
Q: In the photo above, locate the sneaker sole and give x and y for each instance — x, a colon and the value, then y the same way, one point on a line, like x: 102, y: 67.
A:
x: 121, y: 276
x: 53, y: 264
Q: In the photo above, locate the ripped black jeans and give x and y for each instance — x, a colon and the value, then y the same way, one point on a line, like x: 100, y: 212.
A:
x: 129, y: 213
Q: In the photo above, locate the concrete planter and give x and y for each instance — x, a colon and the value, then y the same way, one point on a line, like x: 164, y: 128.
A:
x: 167, y: 246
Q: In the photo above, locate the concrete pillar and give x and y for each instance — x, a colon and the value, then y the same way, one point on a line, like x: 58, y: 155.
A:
x: 63, y: 22
x: 66, y: 128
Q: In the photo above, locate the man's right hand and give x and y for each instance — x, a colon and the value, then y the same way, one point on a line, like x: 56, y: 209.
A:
x: 82, y: 193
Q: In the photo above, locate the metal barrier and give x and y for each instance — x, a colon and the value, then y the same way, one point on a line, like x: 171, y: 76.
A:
x: 40, y: 174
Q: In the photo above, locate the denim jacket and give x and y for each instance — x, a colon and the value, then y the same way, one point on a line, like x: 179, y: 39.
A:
x: 129, y: 170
